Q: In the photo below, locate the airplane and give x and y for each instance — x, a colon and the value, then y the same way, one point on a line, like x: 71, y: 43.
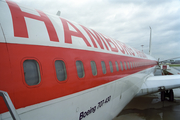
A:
x: 54, y: 69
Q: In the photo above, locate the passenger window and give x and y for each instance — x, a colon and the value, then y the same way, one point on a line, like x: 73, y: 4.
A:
x: 80, y: 69
x: 128, y: 65
x: 121, y: 65
x: 93, y: 67
x: 31, y: 72
x: 125, y: 65
x: 131, y: 65
x: 117, y: 68
x: 111, y: 67
x: 60, y: 70
x: 103, y: 67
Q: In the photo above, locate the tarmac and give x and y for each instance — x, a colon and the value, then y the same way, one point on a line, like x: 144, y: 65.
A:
x: 151, y: 107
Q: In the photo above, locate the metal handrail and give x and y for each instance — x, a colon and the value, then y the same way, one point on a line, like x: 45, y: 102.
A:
x: 10, y: 105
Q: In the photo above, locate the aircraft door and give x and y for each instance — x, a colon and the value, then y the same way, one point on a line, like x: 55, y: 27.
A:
x: 2, y: 37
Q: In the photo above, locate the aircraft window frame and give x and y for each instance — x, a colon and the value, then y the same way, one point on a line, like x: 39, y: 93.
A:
x: 103, y: 65
x: 80, y: 69
x: 111, y: 66
x: 60, y: 67
x: 117, y: 67
x: 125, y: 65
x: 31, y: 71
x: 121, y: 65
x: 93, y: 68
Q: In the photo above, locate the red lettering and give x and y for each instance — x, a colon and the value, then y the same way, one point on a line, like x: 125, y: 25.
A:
x: 96, y: 36
x: 90, y: 34
x: 124, y: 47
x: 128, y: 50
x: 136, y: 52
x: 140, y: 53
x: 19, y: 23
x: 68, y: 33
x: 99, y: 39
x: 114, y: 49
x: 120, y: 47
x: 131, y: 51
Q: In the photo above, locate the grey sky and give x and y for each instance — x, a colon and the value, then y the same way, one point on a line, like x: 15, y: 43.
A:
x: 124, y: 20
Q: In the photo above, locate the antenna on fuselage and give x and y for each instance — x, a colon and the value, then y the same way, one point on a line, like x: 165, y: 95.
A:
x: 58, y: 13
x: 150, y: 41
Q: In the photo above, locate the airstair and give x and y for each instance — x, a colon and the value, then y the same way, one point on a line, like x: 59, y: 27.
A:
x: 9, y: 105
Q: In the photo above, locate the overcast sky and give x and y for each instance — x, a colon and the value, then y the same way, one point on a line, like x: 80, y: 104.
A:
x: 125, y: 20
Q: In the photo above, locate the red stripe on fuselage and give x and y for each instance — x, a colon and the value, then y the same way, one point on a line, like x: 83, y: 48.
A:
x: 50, y: 88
